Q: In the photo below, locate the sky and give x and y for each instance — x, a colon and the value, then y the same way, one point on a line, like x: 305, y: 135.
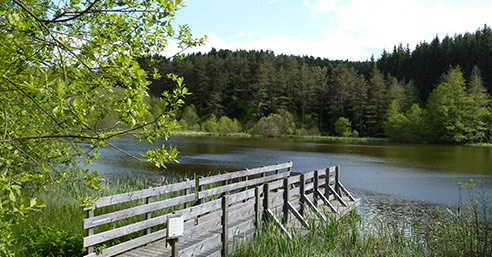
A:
x: 335, y: 29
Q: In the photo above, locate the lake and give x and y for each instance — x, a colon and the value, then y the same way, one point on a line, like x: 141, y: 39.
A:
x: 388, y: 177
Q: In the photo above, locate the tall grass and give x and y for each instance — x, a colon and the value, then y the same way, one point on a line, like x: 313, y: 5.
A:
x: 56, y: 230
x: 462, y: 231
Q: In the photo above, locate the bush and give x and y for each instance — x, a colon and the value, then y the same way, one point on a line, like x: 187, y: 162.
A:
x: 45, y: 240
x: 210, y: 125
x: 228, y: 126
x: 189, y: 115
x: 343, y: 127
x: 275, y: 125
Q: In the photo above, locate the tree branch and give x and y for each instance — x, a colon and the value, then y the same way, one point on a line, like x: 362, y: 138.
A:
x: 6, y: 119
x: 126, y: 153
x: 33, y: 100
x: 56, y: 19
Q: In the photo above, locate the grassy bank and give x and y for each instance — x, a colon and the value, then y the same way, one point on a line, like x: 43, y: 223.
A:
x: 191, y: 133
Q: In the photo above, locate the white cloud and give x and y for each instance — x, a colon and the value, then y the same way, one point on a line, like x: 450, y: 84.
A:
x: 320, y: 5
x: 363, y: 28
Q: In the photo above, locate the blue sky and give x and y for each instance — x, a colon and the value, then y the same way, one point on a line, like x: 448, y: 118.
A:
x: 334, y: 29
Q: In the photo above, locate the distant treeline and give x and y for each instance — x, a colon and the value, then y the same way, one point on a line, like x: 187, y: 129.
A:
x: 435, y: 93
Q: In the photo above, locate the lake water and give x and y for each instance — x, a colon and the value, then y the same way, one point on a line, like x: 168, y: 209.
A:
x: 387, y: 177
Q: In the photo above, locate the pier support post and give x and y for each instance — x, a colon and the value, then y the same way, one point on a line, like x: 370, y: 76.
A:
x: 225, y: 225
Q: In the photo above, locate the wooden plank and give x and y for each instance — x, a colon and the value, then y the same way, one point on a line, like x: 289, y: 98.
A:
x: 257, y: 206
x: 225, y: 226
x: 124, y: 230
x: 302, y: 192
x: 126, y: 197
x: 197, y: 210
x: 269, y: 212
x: 294, y: 179
x: 242, y: 184
x: 242, y: 210
x: 337, y: 196
x: 134, y: 211
x: 90, y: 232
x: 243, y: 173
x: 308, y: 175
x: 202, y: 228
x: 323, y: 198
x: 209, y: 241
x: 347, y: 192
x: 240, y: 228
x: 298, y: 215
x: 285, y: 209
x: 130, y: 244
x: 316, y: 210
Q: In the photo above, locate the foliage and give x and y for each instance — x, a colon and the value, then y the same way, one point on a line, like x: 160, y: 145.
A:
x: 45, y: 240
x: 227, y: 126
x: 343, y: 127
x: 450, y: 233
x: 446, y: 109
x: 276, y: 124
x: 210, y: 125
x: 61, y: 65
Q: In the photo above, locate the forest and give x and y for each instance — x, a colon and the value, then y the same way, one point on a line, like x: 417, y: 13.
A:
x: 439, y: 92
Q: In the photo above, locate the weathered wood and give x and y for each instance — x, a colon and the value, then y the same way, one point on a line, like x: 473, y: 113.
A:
x: 257, y: 206
x: 131, y: 244
x: 238, y: 185
x: 325, y: 200
x: 225, y: 223
x: 337, y: 196
x: 315, y: 209
x: 302, y: 192
x: 327, y: 183
x: 134, y: 211
x: 90, y: 231
x: 203, y: 227
x: 148, y: 215
x: 266, y: 200
x: 298, y: 215
x: 286, y: 200
x: 346, y: 192
x: 124, y: 230
x: 269, y: 213
x: 337, y: 180
x: 247, y: 172
x: 141, y: 194
x: 316, y: 186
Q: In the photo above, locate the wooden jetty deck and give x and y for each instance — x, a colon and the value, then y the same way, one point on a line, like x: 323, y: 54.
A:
x: 217, y: 211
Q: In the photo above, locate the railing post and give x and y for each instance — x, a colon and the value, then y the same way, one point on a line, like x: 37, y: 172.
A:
x: 337, y: 180
x: 90, y: 231
x: 186, y: 192
x: 200, y: 188
x: 315, y: 188
x: 257, y: 206
x: 285, y: 208
x: 148, y: 215
x: 277, y: 171
x: 327, y: 183
x: 266, y: 189
x: 302, y: 192
x: 225, y: 225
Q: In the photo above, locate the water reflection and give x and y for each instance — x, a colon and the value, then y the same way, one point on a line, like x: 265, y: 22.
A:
x: 385, y: 174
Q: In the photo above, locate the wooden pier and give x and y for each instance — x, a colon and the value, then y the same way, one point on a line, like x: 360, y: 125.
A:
x: 216, y: 210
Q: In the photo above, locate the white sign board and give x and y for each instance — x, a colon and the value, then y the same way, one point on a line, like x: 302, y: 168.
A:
x: 175, y: 226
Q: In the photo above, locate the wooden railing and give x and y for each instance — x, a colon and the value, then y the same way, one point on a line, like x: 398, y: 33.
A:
x: 215, y: 209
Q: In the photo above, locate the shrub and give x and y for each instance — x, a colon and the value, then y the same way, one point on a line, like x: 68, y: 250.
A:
x: 189, y: 115
x: 210, y: 125
x: 228, y: 126
x: 342, y: 127
x: 275, y: 125
x: 46, y: 240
